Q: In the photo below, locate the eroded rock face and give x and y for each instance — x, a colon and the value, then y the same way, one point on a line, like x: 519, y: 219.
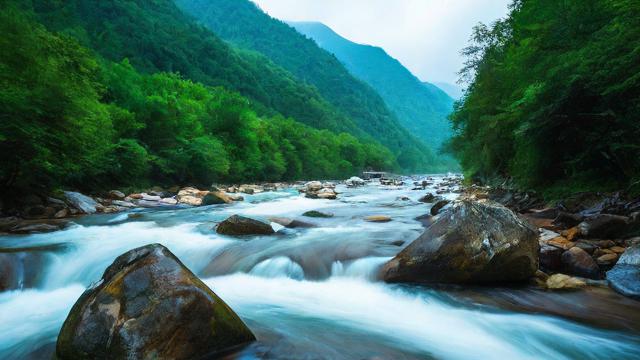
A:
x: 240, y: 225
x: 149, y: 305
x: 473, y: 242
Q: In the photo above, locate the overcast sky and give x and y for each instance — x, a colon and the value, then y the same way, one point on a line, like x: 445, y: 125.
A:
x: 425, y: 35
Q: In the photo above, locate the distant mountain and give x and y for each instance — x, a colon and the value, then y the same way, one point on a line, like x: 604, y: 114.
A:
x: 421, y: 108
x: 452, y: 90
x: 243, y: 24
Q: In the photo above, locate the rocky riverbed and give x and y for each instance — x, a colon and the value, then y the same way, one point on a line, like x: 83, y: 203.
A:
x: 303, y: 267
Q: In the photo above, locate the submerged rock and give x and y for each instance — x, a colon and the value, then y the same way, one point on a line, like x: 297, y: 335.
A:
x: 473, y: 242
x: 377, y: 218
x: 149, y: 305
x: 428, y: 198
x: 240, y: 225
x: 317, y: 214
x: 625, y: 276
x: 291, y: 223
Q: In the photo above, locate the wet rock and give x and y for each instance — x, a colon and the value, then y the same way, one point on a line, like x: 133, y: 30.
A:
x: 377, y: 218
x: 168, y: 201
x: 561, y: 242
x: 325, y: 193
x: 572, y: 233
x: 291, y: 223
x: 355, y: 181
x: 617, y: 249
x: 317, y: 214
x: 116, y: 195
x: 240, y: 225
x: 125, y: 204
x: 148, y: 197
x: 578, y: 262
x: 316, y: 190
x: 61, y: 214
x: 564, y: 282
x: 215, y: 198
x: 473, y: 242
x: 551, y: 257
x: 435, y: 209
x: 625, y: 276
x: 235, y: 197
x: 568, y: 220
x: 403, y: 198
x: 30, y: 228
x: 149, y: 305
x: 607, y: 259
x: 428, y: 198
x: 604, y: 226
x: 586, y: 246
x: 426, y: 220
x: 81, y: 202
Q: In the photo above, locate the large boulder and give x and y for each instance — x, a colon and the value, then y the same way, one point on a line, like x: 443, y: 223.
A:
x: 81, y: 202
x: 435, y: 209
x: 240, y: 225
x: 148, y: 305
x: 625, y: 276
x: 473, y: 242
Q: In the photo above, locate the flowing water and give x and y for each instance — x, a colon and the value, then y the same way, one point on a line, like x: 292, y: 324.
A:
x: 312, y: 293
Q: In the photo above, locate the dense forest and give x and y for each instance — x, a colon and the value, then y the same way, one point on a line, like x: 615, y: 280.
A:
x: 100, y: 94
x: 76, y: 119
x: 421, y: 107
x: 554, y: 99
x: 242, y: 23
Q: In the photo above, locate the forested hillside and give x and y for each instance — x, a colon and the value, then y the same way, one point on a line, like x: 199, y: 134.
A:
x: 245, y: 25
x: 421, y: 107
x: 72, y: 118
x: 555, y: 101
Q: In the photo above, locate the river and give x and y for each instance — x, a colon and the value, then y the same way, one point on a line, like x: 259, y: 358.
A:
x: 312, y: 293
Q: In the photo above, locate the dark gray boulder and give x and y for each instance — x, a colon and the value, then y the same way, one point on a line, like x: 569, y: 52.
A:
x: 148, y: 305
x: 472, y: 242
x: 625, y: 276
x: 240, y: 225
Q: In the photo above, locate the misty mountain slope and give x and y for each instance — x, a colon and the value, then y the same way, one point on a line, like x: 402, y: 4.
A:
x: 453, y: 90
x: 421, y: 107
x: 242, y: 23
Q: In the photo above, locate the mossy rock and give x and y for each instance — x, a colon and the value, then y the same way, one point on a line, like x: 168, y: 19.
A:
x: 317, y: 214
x: 149, y: 305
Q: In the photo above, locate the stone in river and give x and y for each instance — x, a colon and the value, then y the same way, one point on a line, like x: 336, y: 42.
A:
x: 472, y: 242
x: 428, y: 198
x: 216, y: 197
x: 240, y: 225
x: 625, y: 276
x: 561, y: 242
x: 377, y: 218
x: 564, y: 282
x: 578, y: 262
x: 317, y: 214
x: 291, y: 223
x: 550, y: 257
x: 435, y: 209
x: 148, y: 305
x: 81, y: 202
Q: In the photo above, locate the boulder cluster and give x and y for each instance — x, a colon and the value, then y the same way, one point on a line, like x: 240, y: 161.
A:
x: 319, y: 190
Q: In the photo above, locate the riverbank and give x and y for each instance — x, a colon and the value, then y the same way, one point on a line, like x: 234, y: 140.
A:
x: 318, y: 286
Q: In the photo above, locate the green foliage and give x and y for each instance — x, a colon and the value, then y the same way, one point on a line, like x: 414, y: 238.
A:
x: 73, y: 120
x: 555, y: 96
x: 422, y: 109
x: 53, y: 126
